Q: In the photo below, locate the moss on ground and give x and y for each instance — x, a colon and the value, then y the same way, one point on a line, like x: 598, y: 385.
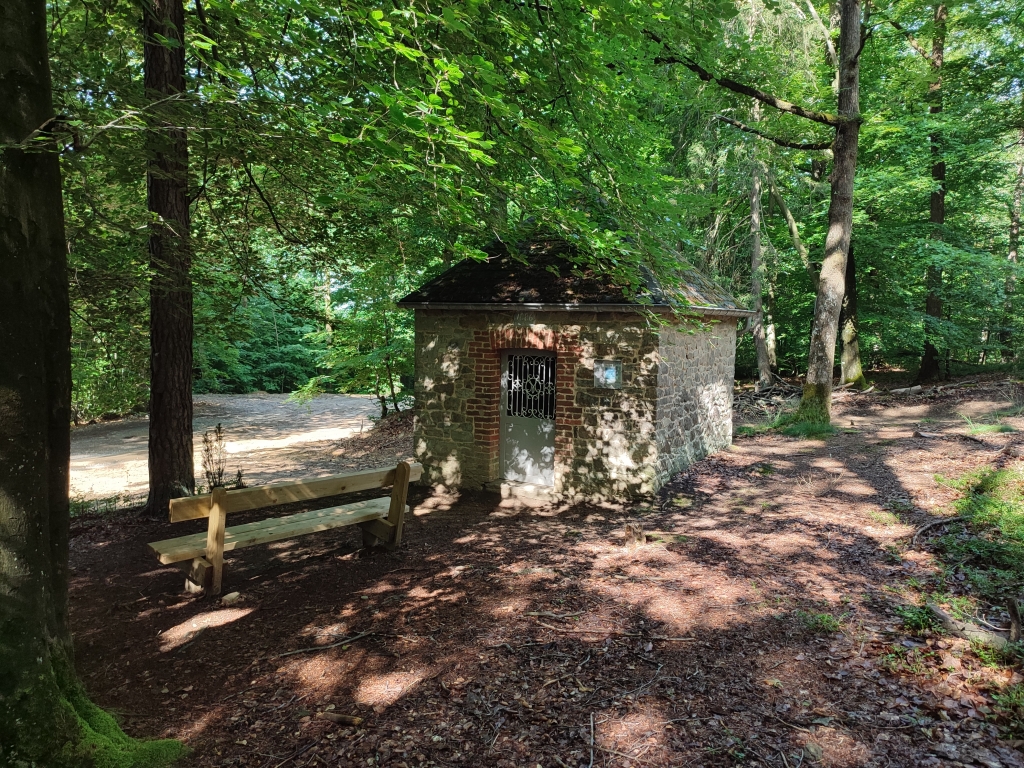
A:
x: 102, y: 743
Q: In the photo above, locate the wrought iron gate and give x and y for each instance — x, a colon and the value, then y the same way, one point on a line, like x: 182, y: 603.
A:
x: 528, y: 417
x: 530, y: 386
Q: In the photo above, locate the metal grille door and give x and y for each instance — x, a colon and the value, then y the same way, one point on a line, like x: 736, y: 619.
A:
x: 528, y: 417
x: 530, y: 386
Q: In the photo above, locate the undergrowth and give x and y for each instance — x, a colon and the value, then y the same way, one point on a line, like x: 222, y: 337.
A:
x: 1010, y: 704
x: 916, y: 618
x: 991, y: 552
x: 788, y: 423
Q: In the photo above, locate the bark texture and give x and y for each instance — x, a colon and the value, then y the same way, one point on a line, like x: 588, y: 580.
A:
x: 815, y: 405
x: 171, y: 469
x: 764, y: 368
x: 937, y: 209
x: 45, y: 717
x: 851, y: 370
x: 35, y: 401
x: 1012, y: 256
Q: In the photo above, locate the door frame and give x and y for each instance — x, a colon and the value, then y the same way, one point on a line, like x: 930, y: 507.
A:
x: 503, y: 398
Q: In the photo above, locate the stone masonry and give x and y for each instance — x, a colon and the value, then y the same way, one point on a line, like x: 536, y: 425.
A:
x: 674, y: 407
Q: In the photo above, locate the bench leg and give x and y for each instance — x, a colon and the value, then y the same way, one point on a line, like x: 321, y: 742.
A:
x: 369, y: 540
x: 198, y: 575
x: 398, y: 508
x: 215, y: 537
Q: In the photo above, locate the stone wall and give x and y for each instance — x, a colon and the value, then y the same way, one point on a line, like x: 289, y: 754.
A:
x: 608, y: 442
x: 695, y: 381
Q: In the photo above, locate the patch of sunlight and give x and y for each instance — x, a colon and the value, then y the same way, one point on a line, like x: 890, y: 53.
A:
x: 194, y: 727
x: 313, y: 436
x: 290, y: 544
x: 419, y: 593
x: 630, y: 736
x: 180, y: 634
x: 513, y: 606
x: 441, y: 501
x: 384, y: 690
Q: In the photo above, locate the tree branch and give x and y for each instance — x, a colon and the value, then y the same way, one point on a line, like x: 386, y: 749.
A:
x: 671, y: 57
x: 773, y: 139
x: 833, y: 57
x: 270, y: 209
x: 794, y: 233
x: 911, y: 39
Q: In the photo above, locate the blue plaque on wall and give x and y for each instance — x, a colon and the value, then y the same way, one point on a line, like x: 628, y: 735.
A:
x: 608, y: 374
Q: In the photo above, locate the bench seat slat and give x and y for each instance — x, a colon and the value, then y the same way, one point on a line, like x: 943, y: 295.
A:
x: 260, y: 496
x: 274, y: 529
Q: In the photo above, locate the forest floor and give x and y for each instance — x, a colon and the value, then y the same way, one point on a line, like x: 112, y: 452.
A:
x: 768, y: 619
x: 267, y: 437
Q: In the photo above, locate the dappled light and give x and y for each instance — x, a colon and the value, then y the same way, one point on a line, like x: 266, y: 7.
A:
x: 189, y: 629
x: 755, y: 620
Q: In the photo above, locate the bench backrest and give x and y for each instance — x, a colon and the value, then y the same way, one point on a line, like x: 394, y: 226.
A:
x: 245, y: 499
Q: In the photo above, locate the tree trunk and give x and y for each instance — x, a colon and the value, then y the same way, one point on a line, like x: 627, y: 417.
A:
x: 171, y: 468
x: 1006, y: 333
x: 45, y: 718
x: 937, y: 210
x: 764, y: 369
x: 328, y: 305
x: 794, y: 235
x: 816, y: 403
x: 851, y: 370
x: 35, y: 403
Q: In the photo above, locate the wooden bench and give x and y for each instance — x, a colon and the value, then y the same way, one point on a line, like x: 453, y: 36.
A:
x: 381, y: 519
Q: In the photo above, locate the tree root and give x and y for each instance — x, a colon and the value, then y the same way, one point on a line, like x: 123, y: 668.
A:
x: 933, y: 524
x: 967, y: 631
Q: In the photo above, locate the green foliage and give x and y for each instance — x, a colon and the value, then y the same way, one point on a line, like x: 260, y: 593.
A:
x: 916, y: 618
x: 901, y: 660
x: 808, y: 429
x: 990, y: 552
x: 794, y: 423
x: 333, y: 139
x: 986, y: 429
x: 1010, y: 708
x: 819, y: 622
x: 103, y: 744
x: 1010, y: 655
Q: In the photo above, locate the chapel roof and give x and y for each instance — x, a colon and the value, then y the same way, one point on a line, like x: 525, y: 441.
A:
x: 548, y: 279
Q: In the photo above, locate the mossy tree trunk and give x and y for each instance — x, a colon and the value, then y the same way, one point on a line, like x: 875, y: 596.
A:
x: 816, y: 403
x: 45, y: 718
x: 35, y: 398
x: 851, y: 370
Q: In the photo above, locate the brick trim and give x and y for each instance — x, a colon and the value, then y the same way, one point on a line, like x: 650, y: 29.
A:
x: 485, y: 351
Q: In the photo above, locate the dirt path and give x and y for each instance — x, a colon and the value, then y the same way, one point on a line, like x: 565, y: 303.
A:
x: 758, y: 625
x: 267, y: 438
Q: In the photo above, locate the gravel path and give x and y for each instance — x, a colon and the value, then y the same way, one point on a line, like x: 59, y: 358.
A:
x: 267, y: 438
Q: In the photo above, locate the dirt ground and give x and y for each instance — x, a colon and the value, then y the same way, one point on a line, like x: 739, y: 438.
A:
x: 752, y: 627
x: 266, y: 437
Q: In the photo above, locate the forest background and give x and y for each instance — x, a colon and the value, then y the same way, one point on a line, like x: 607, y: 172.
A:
x: 341, y: 155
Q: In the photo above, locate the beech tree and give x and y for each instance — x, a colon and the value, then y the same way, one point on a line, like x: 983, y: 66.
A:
x: 45, y: 718
x: 815, y: 405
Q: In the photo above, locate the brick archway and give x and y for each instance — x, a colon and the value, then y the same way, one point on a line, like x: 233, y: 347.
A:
x: 484, y: 407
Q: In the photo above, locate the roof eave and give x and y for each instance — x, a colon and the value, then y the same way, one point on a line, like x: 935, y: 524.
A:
x: 551, y: 307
